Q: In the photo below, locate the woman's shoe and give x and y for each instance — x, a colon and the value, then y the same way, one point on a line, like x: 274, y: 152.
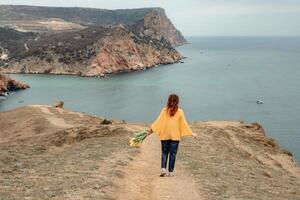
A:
x: 171, y: 174
x: 163, y: 172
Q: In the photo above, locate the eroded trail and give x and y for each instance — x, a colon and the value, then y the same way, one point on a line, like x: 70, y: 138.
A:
x: 142, y: 179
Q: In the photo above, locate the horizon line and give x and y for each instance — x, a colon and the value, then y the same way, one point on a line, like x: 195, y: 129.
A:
x: 186, y: 35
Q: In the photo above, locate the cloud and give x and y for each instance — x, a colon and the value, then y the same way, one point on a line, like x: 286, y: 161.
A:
x: 239, y: 9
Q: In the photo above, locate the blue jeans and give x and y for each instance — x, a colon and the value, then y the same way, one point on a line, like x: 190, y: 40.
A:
x: 169, y: 148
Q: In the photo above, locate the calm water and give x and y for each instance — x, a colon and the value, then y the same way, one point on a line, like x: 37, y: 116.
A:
x: 221, y: 79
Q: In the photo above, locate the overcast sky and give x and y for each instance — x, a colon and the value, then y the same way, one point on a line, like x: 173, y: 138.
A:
x: 207, y: 17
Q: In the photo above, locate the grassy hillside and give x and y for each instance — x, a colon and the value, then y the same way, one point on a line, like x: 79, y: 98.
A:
x: 54, y: 153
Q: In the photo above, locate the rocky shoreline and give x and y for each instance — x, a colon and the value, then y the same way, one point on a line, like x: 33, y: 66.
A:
x: 7, y: 85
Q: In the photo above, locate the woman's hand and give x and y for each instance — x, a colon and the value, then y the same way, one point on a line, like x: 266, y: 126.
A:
x: 194, y: 135
x: 150, y: 131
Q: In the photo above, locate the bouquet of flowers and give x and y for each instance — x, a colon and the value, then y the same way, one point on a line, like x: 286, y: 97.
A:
x: 138, y: 138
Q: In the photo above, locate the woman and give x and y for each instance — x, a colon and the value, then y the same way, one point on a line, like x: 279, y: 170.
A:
x: 170, y: 125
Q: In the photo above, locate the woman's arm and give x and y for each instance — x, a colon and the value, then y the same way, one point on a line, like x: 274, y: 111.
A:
x: 185, y: 129
x: 156, y: 125
x: 150, y: 131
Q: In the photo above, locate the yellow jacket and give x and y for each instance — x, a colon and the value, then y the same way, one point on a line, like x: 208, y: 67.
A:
x: 171, y: 128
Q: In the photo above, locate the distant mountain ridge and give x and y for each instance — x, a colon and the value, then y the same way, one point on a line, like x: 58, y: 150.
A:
x: 144, y: 21
x: 86, y: 15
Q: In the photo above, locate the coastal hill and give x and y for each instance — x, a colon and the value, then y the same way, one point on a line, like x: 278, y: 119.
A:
x: 143, y: 21
x: 94, y: 51
x: 55, y: 153
x: 84, y: 41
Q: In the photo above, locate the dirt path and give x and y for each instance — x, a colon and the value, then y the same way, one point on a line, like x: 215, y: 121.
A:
x: 52, y: 118
x: 142, y: 179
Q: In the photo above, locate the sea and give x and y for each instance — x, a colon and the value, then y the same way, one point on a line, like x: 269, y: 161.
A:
x: 221, y: 78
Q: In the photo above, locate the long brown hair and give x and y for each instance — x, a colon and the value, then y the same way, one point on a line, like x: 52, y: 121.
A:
x: 172, y: 105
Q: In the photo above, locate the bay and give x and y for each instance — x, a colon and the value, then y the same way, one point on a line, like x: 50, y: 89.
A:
x: 221, y: 79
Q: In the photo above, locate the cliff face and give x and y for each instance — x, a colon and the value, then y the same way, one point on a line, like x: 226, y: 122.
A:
x: 156, y: 24
x: 147, y: 21
x: 7, y: 84
x: 54, y: 153
x: 124, y: 52
x: 94, y: 51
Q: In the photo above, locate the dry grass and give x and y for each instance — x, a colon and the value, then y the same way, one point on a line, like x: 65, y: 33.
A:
x: 48, y: 162
x: 235, y: 162
x: 54, y: 153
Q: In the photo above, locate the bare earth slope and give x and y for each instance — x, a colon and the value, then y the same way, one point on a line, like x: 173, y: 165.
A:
x: 53, y: 153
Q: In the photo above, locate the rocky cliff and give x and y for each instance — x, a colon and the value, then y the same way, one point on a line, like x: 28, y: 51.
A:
x: 84, y: 41
x: 54, y: 153
x: 152, y: 22
x: 94, y: 51
x: 7, y: 84
x: 156, y: 24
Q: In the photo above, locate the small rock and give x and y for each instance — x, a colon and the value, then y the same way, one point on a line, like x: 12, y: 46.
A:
x: 59, y: 104
x: 18, y: 164
x: 50, y: 194
x: 267, y: 174
x: 106, y: 121
x: 102, y: 75
x: 287, y: 152
x: 96, y: 187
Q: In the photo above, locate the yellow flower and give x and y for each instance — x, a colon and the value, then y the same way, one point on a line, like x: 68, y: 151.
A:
x: 138, y: 138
